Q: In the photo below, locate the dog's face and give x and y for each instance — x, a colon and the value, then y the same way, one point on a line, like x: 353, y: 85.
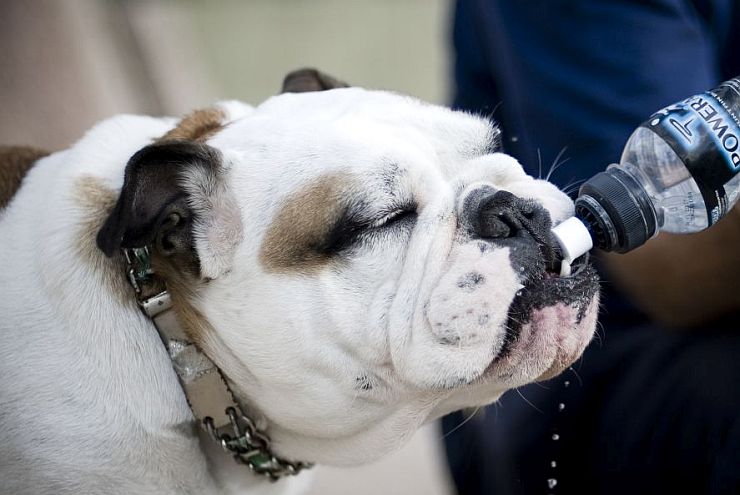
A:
x: 367, y: 262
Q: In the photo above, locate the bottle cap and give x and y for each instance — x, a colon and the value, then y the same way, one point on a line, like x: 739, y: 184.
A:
x: 575, y: 241
x: 617, y: 210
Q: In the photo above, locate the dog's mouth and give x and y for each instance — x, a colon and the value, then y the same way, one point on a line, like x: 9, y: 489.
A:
x: 547, y: 288
x: 550, y: 319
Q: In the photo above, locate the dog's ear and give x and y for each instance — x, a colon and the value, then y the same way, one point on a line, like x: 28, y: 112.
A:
x: 304, y: 80
x: 175, y: 199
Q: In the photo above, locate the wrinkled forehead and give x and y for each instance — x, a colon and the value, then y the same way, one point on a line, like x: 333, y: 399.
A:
x: 379, y: 125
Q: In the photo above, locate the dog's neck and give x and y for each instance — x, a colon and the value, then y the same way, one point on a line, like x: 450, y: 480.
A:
x: 210, y: 397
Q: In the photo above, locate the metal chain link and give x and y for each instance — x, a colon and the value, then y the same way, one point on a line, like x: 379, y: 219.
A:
x: 251, y: 447
x: 139, y: 267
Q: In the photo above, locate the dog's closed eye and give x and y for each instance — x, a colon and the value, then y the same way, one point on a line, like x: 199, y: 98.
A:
x: 356, y: 223
x: 395, y: 216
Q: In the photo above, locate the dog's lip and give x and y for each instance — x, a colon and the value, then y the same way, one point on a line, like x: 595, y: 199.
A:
x: 542, y: 290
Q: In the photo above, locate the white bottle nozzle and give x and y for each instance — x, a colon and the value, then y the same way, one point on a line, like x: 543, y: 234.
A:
x: 575, y: 241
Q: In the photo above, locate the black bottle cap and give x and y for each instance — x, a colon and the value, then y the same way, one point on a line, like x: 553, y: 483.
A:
x: 617, y: 210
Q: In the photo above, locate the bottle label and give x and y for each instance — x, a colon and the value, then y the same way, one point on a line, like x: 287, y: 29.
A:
x: 704, y: 131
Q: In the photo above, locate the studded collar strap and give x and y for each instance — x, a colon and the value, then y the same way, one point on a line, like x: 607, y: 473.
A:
x: 206, y: 390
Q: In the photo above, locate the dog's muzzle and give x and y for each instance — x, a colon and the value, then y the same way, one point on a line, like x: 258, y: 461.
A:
x: 500, y: 218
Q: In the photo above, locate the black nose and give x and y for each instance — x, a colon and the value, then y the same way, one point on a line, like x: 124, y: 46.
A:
x: 496, y: 214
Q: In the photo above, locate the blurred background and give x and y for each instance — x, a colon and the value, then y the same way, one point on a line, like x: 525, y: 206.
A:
x: 66, y: 64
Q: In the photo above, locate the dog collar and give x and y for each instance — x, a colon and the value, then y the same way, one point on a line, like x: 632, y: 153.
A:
x: 206, y: 390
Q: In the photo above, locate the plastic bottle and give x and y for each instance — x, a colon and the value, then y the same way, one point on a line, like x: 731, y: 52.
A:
x: 678, y: 173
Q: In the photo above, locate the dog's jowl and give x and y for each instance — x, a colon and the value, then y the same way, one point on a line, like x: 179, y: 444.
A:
x: 353, y: 263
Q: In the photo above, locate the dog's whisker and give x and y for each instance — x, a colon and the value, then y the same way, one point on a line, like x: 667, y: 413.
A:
x: 528, y: 401
x: 555, y: 164
x: 489, y: 115
x: 518, y: 322
x: 539, y: 164
x: 580, y: 360
x: 462, y: 423
x: 580, y: 380
x: 572, y: 186
x: 599, y: 333
x: 555, y: 167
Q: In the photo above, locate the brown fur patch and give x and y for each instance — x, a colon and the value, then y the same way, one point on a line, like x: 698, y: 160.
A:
x: 300, y: 228
x: 198, y: 125
x: 15, y: 162
x: 183, y: 285
x: 95, y: 202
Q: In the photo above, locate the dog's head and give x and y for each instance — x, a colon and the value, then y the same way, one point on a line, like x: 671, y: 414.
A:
x: 357, y: 263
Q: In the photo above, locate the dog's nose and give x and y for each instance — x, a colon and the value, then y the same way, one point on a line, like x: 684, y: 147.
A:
x: 497, y: 214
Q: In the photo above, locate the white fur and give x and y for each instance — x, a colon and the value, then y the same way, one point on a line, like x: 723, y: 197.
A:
x: 88, y: 400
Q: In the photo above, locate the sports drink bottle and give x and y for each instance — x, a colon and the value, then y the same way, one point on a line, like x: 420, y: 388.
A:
x: 678, y: 173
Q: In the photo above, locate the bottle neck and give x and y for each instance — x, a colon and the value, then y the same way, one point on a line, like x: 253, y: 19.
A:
x: 642, y: 189
x: 617, y: 210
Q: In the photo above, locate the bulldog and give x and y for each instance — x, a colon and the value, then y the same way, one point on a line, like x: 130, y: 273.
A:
x: 354, y: 263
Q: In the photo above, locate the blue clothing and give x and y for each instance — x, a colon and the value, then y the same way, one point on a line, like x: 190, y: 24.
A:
x: 581, y: 75
x: 649, y: 412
